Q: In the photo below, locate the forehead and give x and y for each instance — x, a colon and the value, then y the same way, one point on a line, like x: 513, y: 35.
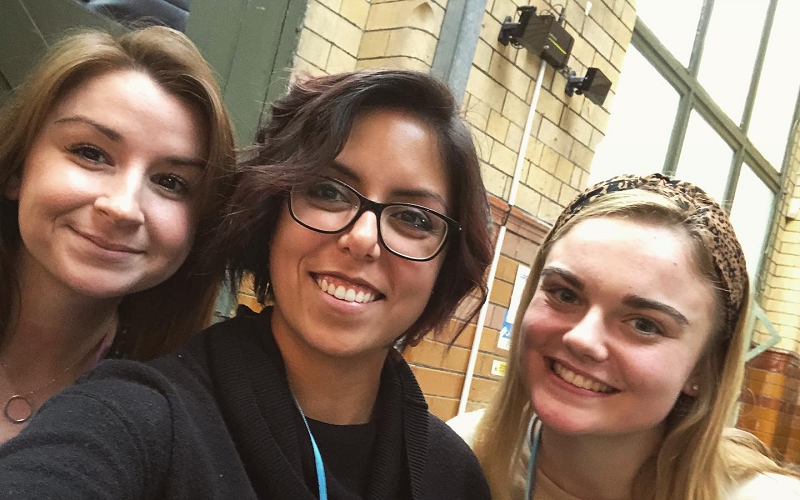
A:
x: 395, y: 148
x: 625, y: 256
x: 133, y: 104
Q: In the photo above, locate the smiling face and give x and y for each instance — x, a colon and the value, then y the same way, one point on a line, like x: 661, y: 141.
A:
x: 344, y: 295
x: 105, y: 196
x: 615, y: 328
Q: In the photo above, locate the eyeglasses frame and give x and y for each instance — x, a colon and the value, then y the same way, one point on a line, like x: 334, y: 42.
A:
x: 365, y: 204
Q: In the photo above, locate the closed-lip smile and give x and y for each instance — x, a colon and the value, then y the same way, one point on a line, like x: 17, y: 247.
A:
x: 108, y: 245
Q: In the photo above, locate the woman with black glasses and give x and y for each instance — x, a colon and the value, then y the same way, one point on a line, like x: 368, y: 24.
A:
x: 362, y: 220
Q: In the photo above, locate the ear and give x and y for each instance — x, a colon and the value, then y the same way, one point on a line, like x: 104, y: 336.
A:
x: 692, y: 387
x: 12, y: 188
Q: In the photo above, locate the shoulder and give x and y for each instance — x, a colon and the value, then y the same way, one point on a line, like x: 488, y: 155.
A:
x: 451, y: 463
x: 466, y: 424
x: 772, y: 486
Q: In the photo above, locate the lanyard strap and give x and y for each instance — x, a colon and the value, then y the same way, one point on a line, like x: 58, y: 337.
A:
x: 321, y: 482
x: 534, y: 437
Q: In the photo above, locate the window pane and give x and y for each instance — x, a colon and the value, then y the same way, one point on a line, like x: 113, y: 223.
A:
x: 674, y: 23
x: 730, y: 52
x: 778, y: 86
x: 752, y: 206
x: 636, y: 143
x: 705, y: 158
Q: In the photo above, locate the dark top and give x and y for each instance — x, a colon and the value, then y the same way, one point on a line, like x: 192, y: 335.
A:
x: 217, y: 421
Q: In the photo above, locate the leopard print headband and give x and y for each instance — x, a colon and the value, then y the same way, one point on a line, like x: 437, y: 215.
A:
x: 719, y: 237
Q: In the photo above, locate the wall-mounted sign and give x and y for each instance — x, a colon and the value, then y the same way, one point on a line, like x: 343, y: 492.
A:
x: 504, y: 340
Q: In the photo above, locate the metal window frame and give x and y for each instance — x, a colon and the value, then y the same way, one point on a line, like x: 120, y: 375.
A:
x: 693, y: 97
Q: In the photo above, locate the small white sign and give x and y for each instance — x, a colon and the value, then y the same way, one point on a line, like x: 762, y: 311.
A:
x: 498, y: 368
x: 504, y: 340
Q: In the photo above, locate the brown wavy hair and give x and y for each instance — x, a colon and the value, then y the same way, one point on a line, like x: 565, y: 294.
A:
x: 157, y: 320
x: 309, y: 127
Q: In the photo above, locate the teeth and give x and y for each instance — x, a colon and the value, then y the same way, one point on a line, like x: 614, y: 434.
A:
x: 346, y: 294
x: 580, y: 381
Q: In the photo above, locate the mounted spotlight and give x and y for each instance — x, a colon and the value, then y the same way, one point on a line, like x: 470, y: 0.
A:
x: 540, y: 35
x: 595, y: 85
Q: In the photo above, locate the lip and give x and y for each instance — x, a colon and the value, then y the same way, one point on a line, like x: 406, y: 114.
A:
x: 568, y: 366
x: 356, y: 281
x: 108, y: 245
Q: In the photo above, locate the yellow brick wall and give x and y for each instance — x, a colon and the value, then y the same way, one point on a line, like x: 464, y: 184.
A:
x: 781, y: 297
x: 566, y: 130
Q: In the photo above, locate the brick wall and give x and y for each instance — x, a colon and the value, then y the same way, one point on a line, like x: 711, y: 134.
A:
x: 771, y: 404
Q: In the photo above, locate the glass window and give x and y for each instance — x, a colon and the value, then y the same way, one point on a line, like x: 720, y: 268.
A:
x: 730, y: 52
x: 674, y: 23
x: 636, y: 142
x: 705, y: 158
x: 778, y: 86
x: 750, y: 215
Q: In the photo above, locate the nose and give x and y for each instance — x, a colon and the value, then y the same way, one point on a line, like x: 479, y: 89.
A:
x: 361, y: 239
x: 586, y: 340
x: 120, y: 198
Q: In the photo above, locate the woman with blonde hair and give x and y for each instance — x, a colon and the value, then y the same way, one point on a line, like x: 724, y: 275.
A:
x: 627, y: 358
x: 115, y: 158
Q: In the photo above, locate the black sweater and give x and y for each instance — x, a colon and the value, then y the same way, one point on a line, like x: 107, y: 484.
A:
x: 217, y: 421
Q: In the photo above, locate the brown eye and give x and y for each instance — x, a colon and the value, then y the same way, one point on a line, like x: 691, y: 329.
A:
x: 171, y: 183
x: 89, y: 153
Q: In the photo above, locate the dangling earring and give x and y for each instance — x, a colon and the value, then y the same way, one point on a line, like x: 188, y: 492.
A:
x: 269, y: 296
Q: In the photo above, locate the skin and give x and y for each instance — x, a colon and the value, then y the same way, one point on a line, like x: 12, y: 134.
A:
x: 105, y: 209
x: 105, y: 194
x: 334, y: 350
x: 620, y: 303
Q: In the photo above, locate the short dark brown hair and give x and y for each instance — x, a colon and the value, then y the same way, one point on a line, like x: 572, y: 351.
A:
x: 309, y: 128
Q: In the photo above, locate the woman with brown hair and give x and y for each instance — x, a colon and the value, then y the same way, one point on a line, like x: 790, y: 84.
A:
x: 115, y: 155
x: 363, y: 221
x: 627, y: 358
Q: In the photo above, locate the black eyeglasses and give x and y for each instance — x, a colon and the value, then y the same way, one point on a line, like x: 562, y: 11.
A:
x: 407, y: 230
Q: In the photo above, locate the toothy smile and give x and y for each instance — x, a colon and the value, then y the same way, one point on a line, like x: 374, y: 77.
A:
x: 346, y: 291
x: 579, y: 380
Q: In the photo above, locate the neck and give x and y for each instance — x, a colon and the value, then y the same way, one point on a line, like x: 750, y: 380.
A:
x: 334, y: 390
x: 51, y: 327
x: 597, y: 467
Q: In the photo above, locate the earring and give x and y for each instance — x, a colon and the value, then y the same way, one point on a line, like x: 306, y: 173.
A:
x: 695, y: 387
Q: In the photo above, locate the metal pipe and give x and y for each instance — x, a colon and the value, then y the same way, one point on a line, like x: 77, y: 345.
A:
x: 476, y: 342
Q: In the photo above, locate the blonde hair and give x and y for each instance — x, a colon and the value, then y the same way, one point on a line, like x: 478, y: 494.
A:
x: 165, y: 316
x: 698, y: 459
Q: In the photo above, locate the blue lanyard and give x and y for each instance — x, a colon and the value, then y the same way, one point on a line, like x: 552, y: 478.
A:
x: 321, y: 483
x: 534, y: 440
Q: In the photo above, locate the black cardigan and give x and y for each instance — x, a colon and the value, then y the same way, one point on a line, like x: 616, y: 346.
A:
x: 217, y: 421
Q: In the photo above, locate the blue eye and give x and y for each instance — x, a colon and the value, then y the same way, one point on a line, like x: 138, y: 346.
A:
x: 646, y: 326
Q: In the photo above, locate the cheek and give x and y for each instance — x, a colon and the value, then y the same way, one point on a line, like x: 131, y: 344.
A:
x: 173, y: 228
x: 657, y: 373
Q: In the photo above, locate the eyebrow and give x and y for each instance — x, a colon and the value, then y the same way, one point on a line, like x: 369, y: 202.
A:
x: 634, y: 301
x: 106, y: 131
x: 638, y: 302
x: 408, y: 193
x: 567, y: 276
x: 117, y: 137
